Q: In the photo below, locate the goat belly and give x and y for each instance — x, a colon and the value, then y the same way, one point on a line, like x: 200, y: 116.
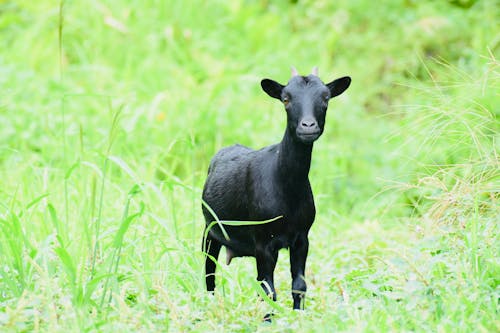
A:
x: 241, y: 241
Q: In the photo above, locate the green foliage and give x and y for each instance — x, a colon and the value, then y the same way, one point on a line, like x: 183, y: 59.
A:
x: 109, y: 115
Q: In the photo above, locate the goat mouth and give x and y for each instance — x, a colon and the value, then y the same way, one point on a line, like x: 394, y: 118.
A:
x: 308, y: 137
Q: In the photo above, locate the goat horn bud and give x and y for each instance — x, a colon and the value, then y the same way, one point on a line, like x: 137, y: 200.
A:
x: 294, y: 71
x: 315, y: 71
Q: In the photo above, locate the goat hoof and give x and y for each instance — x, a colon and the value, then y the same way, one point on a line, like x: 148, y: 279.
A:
x: 268, y: 318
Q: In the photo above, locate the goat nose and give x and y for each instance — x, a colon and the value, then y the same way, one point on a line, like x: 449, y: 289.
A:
x: 308, y: 123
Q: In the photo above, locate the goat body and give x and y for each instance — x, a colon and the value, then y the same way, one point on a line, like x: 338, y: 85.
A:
x: 256, y: 185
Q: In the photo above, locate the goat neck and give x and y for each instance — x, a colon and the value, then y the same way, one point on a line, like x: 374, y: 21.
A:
x: 294, y: 158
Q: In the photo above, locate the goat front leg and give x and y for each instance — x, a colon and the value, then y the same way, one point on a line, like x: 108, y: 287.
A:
x: 266, y: 258
x: 298, y: 257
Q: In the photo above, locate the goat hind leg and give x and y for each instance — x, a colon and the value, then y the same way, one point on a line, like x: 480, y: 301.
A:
x: 211, y: 247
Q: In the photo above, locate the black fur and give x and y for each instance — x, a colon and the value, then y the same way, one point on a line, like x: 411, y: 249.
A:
x: 248, y: 185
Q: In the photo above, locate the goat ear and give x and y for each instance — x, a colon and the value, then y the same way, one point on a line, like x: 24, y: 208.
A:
x: 338, y: 86
x: 272, y: 88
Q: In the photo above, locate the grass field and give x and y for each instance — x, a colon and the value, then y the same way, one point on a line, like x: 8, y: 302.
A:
x: 111, y: 110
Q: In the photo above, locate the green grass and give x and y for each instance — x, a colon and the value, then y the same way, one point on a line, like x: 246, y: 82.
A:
x: 109, y: 115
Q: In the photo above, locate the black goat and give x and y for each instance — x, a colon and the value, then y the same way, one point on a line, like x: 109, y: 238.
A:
x: 248, y: 185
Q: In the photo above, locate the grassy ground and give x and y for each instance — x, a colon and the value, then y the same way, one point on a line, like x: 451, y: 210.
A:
x: 110, y: 112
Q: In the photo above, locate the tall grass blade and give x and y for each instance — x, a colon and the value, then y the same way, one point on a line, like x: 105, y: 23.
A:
x: 117, y: 243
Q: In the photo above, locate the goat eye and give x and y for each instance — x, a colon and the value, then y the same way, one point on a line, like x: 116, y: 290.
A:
x: 285, y: 100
